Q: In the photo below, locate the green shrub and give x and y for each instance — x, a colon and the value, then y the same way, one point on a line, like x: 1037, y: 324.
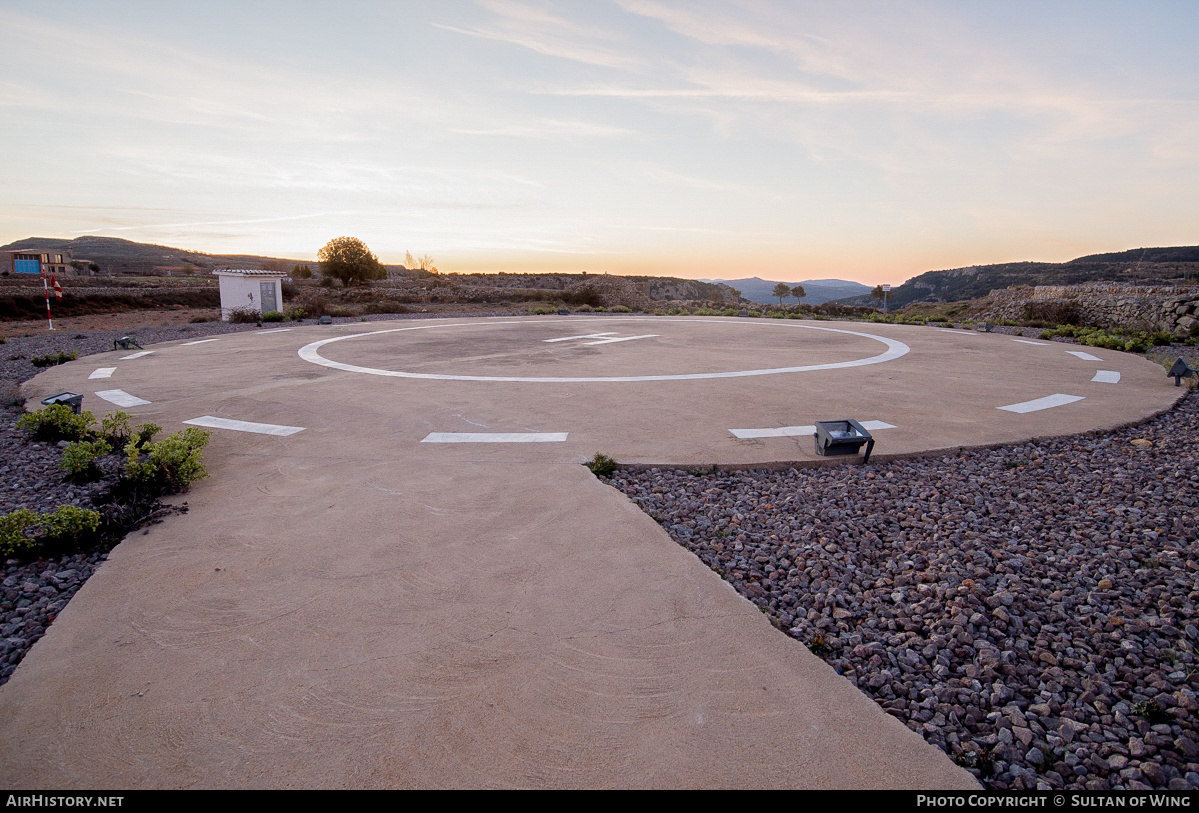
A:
x: 244, y: 316
x: 273, y: 316
x: 57, y: 422
x: 79, y: 458
x: 51, y: 359
x: 115, y: 429
x: 170, y: 465
x: 295, y: 314
x: 601, y: 465
x: 12, y: 530
x: 68, y: 523
x: 1127, y: 341
x: 542, y: 311
x: 146, y: 432
x: 622, y: 309
x: 65, y: 524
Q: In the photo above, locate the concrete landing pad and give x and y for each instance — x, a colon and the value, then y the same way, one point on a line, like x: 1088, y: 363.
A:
x: 346, y: 605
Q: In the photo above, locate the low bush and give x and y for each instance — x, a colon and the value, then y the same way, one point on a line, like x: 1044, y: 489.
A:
x: 66, y: 524
x: 13, y: 526
x: 57, y: 422
x: 10, y: 395
x: 52, y: 359
x: 386, y: 306
x: 272, y: 316
x: 601, y: 465
x: 244, y: 316
x: 1065, y: 312
x: 295, y: 314
x: 1127, y: 341
x: 169, y: 466
x: 622, y: 309
x: 79, y: 459
x: 69, y: 524
x: 115, y: 428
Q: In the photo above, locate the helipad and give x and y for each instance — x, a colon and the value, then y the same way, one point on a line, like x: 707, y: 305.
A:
x: 664, y: 352
x: 398, y: 574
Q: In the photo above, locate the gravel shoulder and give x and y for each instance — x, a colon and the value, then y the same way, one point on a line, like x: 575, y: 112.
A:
x: 1031, y: 610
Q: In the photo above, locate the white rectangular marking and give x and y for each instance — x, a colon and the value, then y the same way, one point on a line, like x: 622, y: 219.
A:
x: 1107, y: 376
x: 1034, y: 344
x: 1084, y: 356
x: 585, y: 336
x: 245, y: 426
x: 137, y: 355
x: 959, y: 332
x: 200, y: 341
x: 495, y: 437
x: 276, y: 330
x: 623, y: 339
x: 102, y: 372
x: 799, y: 431
x: 1042, y: 403
x: 121, y: 398
x: 780, y: 432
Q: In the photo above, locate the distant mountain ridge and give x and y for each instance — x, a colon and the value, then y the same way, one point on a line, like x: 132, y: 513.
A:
x: 974, y: 282
x: 818, y: 291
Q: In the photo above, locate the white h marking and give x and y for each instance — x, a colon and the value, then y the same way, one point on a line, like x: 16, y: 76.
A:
x: 585, y: 336
x: 602, y: 337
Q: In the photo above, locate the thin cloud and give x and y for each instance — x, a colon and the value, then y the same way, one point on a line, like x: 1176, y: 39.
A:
x: 547, y: 129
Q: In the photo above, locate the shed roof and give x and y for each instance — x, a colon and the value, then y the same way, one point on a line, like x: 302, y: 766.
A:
x: 249, y: 272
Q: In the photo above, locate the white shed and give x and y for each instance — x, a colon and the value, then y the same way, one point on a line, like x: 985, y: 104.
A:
x: 248, y: 289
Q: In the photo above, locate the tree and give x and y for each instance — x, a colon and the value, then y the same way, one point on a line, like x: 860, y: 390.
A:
x: 877, y: 294
x: 301, y: 271
x: 349, y: 260
x: 799, y: 293
x: 782, y: 290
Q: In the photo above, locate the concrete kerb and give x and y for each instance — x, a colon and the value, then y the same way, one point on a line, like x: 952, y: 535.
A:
x: 851, y: 461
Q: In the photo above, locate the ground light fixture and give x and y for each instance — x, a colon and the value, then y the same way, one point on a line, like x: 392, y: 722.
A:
x: 1181, y: 370
x: 71, y: 399
x: 843, y: 437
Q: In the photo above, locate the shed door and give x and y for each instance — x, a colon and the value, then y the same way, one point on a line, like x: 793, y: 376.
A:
x: 267, y: 290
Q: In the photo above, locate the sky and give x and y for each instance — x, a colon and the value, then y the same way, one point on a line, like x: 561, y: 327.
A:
x: 789, y: 140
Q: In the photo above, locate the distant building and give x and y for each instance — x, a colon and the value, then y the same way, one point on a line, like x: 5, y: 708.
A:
x: 34, y: 262
x: 249, y: 289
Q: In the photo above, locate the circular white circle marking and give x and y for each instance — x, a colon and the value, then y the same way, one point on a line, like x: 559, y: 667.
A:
x: 895, y: 349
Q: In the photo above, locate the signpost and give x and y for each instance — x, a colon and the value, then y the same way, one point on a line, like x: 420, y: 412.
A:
x: 886, y: 290
x: 46, y: 286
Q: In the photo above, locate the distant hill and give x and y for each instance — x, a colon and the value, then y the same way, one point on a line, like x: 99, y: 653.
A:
x: 975, y: 282
x: 117, y: 256
x: 1178, y: 254
x: 819, y: 291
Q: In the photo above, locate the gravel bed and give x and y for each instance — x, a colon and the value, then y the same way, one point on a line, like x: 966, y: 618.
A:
x: 1031, y: 610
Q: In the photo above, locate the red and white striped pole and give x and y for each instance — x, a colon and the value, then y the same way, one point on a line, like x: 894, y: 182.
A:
x: 46, y: 285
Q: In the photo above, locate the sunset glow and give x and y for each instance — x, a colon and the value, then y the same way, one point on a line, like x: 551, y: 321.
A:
x: 725, y: 139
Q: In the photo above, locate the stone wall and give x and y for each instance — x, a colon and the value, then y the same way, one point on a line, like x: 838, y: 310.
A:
x: 1170, y: 308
